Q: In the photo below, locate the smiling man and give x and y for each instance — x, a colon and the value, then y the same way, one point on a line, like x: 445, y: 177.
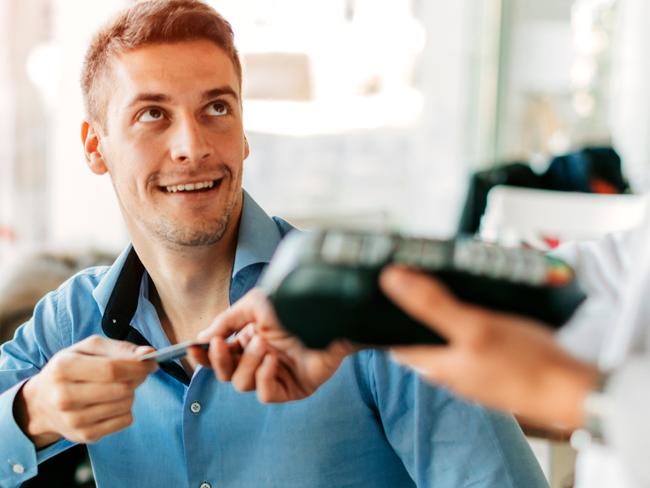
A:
x: 162, y: 84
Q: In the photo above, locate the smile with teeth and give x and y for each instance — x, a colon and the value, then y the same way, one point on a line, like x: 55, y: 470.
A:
x: 201, y: 185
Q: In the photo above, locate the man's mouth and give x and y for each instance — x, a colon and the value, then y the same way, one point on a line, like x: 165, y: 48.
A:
x: 198, y: 186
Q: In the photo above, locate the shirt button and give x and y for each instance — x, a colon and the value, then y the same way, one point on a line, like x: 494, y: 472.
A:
x: 196, y: 408
x: 19, y: 468
x: 205, y: 484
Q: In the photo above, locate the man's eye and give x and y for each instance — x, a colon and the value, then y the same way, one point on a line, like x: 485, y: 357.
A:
x: 217, y: 109
x: 151, y: 115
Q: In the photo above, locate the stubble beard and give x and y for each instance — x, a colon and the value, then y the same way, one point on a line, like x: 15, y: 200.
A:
x: 206, y: 233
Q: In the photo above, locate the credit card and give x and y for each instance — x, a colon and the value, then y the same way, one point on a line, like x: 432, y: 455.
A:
x: 174, y: 352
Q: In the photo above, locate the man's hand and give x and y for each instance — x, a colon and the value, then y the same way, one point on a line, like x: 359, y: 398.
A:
x: 504, y: 361
x: 83, y: 393
x: 263, y: 356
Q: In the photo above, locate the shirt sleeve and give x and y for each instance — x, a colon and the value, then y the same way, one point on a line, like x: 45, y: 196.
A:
x: 602, y: 268
x: 444, y: 441
x: 33, y: 345
x: 625, y: 421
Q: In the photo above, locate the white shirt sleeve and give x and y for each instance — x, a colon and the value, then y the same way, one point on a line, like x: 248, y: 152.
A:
x: 613, y: 328
x: 625, y: 423
x: 602, y: 269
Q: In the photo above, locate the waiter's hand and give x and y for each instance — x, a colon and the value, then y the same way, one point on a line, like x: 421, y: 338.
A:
x: 504, y: 361
x: 83, y: 393
x: 264, y: 357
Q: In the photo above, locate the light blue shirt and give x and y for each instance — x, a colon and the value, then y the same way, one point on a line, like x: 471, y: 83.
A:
x: 373, y: 424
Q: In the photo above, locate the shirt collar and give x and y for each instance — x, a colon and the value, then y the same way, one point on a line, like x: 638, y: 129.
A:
x: 103, y: 290
x: 256, y: 242
x: 258, y: 238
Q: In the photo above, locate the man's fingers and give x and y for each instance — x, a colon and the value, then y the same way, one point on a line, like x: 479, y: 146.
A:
x: 99, y: 369
x: 242, y: 313
x: 222, y: 359
x: 198, y: 355
x: 102, y: 346
x: 94, y: 414
x: 243, y: 379
x: 426, y: 300
x: 95, y: 432
x: 269, y: 389
x: 275, y: 382
x: 245, y: 335
x: 98, y: 359
x: 143, y: 350
x: 79, y: 395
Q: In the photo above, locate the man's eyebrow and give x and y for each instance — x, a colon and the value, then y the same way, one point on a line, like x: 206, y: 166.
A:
x: 217, y: 92
x: 149, y: 97
x: 161, y: 97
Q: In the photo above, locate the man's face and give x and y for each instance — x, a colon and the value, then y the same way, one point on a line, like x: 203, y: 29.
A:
x: 173, y: 141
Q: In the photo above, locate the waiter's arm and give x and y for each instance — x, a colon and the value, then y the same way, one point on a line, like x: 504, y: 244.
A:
x: 503, y: 361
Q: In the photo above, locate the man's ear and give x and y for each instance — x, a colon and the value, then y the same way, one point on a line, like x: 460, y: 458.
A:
x: 91, y: 144
x: 247, y: 149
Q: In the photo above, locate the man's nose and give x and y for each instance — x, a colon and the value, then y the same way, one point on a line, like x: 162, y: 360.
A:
x: 189, y: 142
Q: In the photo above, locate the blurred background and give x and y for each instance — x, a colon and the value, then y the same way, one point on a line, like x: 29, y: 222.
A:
x: 358, y: 111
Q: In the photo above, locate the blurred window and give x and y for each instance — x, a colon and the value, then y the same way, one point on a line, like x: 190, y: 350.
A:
x: 326, y: 66
x: 555, y: 84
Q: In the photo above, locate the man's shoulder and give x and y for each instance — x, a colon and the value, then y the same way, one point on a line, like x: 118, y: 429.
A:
x: 73, y: 301
x: 62, y: 316
x: 84, y: 281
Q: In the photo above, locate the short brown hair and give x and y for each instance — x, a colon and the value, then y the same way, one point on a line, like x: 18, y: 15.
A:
x: 150, y: 22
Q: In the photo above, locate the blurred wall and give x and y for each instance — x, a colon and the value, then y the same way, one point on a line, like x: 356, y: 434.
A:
x: 411, y: 177
x: 630, y: 112
x: 23, y: 124
x: 82, y: 209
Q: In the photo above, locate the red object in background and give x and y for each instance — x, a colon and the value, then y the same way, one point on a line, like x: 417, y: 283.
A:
x: 599, y: 185
x: 7, y: 234
x: 551, y: 242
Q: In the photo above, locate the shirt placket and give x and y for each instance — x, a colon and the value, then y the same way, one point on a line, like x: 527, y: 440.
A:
x: 196, y: 426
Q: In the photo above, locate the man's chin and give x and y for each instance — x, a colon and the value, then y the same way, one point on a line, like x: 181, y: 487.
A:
x: 193, y: 231
x: 188, y: 238
x: 181, y: 235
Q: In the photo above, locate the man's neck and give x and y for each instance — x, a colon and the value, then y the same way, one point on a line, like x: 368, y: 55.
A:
x: 190, y: 287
